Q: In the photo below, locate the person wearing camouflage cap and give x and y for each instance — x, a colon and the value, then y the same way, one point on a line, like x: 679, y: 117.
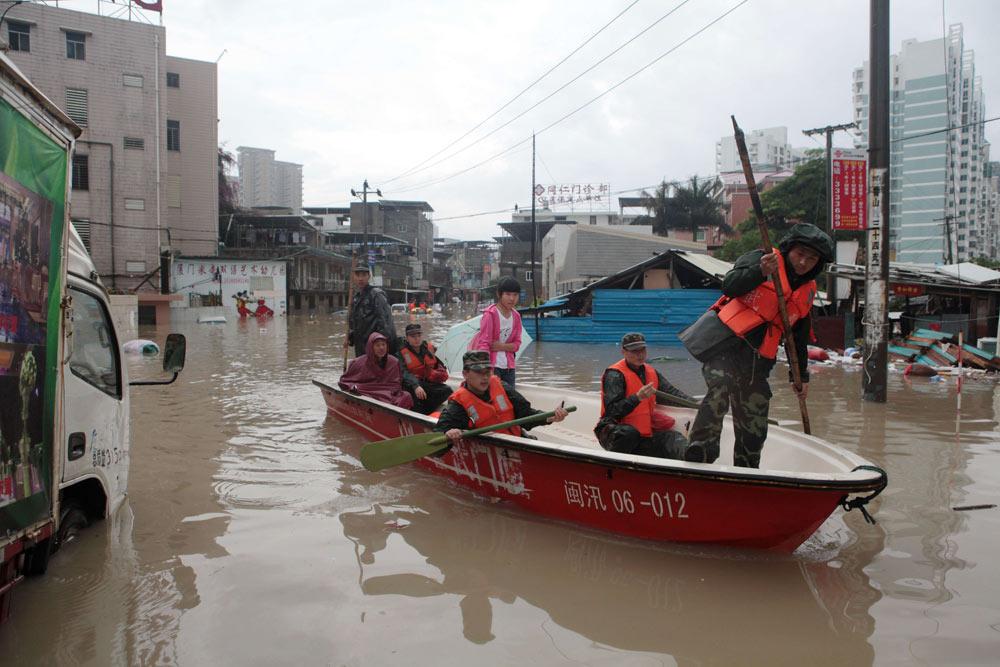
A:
x: 424, y: 375
x: 737, y: 339
x: 483, y: 400
x: 629, y: 422
x: 369, y: 313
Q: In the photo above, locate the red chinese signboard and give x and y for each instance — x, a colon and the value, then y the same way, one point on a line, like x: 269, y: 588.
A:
x: 849, y: 185
x: 908, y: 290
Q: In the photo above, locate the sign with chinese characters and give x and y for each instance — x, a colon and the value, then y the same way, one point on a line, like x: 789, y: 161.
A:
x: 908, y: 290
x: 259, y: 279
x: 575, y: 193
x: 848, y: 187
x: 875, y: 240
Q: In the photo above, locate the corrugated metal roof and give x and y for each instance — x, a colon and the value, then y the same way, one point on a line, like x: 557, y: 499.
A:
x: 969, y: 272
x: 710, y: 265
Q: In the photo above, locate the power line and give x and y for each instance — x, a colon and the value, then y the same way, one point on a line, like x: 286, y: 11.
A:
x: 945, y: 129
x: 511, y: 100
x: 553, y: 93
x: 582, y: 106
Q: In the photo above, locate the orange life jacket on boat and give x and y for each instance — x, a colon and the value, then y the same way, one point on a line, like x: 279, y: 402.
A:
x: 481, y: 413
x: 420, y: 366
x: 759, y: 306
x: 642, y: 416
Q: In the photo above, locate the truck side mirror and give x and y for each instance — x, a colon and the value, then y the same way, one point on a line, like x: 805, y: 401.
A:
x: 174, y: 352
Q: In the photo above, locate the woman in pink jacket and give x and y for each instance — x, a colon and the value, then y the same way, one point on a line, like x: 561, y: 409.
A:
x: 500, y: 330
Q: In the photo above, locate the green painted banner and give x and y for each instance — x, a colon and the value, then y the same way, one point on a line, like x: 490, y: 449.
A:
x: 33, y: 173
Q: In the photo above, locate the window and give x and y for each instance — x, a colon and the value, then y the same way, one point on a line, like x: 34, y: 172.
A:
x: 132, y: 80
x: 76, y: 105
x: 134, y: 143
x: 81, y: 172
x: 95, y: 350
x: 75, y: 45
x: 135, y: 204
x: 173, y: 135
x: 82, y: 228
x: 173, y: 191
x: 173, y: 80
x: 135, y: 266
x: 699, y: 234
x: 19, y: 36
x: 528, y: 276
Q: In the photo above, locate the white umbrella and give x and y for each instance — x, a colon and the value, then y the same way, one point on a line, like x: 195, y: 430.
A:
x: 456, y: 343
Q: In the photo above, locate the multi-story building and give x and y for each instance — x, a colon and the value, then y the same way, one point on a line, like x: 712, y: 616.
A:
x: 265, y: 181
x: 765, y: 147
x: 144, y: 184
x: 406, y: 220
x: 938, y: 204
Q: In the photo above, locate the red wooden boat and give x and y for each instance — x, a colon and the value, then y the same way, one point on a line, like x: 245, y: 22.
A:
x: 566, y: 475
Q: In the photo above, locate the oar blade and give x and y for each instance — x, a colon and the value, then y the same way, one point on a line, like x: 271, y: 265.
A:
x: 383, y: 454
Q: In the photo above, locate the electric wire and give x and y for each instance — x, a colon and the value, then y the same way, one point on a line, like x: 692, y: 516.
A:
x: 553, y: 93
x: 582, y: 106
x: 511, y: 100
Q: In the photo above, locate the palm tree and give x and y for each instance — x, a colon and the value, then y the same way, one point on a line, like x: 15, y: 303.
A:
x: 691, y: 205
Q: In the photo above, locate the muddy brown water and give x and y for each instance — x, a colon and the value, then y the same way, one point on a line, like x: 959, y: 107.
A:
x: 253, y: 536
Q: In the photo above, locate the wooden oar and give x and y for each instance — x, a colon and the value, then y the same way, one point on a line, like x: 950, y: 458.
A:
x: 790, y: 351
x: 684, y: 403
x: 383, y: 454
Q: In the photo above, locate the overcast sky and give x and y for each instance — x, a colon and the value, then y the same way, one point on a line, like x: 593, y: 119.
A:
x: 371, y: 89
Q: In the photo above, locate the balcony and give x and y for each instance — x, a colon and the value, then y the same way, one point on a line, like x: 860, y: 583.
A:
x: 317, y: 284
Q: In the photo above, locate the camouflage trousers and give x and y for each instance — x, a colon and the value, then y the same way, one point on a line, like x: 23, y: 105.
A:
x: 743, y: 386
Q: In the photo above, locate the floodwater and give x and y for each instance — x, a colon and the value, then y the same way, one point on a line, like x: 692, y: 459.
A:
x: 253, y: 536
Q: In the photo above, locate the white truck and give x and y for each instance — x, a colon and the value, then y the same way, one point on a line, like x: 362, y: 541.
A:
x: 64, y: 389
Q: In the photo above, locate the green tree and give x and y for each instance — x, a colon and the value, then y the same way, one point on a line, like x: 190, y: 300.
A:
x: 988, y: 262
x: 227, y: 192
x: 693, y: 205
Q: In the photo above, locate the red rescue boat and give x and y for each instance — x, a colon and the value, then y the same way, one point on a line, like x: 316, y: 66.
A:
x: 566, y: 475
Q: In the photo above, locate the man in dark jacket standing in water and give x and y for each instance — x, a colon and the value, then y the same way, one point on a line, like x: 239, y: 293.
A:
x: 738, y: 338
x: 370, y: 312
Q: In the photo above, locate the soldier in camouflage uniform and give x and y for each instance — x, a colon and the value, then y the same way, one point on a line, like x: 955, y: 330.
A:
x: 737, y: 365
x: 370, y: 312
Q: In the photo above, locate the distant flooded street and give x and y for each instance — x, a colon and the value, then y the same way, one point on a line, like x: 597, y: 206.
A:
x: 253, y: 536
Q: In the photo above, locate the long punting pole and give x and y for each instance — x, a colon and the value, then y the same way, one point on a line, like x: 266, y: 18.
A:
x: 765, y: 242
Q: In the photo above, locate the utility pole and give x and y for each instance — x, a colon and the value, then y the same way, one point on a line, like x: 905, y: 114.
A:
x: 364, y: 211
x: 534, y: 239
x: 947, y: 236
x: 876, y: 353
x: 831, y: 281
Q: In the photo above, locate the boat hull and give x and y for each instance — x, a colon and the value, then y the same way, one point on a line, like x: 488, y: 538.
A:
x: 658, y: 500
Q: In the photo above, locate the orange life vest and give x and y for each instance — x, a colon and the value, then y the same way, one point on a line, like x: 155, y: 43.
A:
x: 642, y: 416
x: 419, y: 366
x: 759, y: 306
x: 481, y: 413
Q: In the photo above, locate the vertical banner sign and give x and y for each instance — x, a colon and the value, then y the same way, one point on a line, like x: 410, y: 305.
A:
x: 849, y: 189
x: 33, y: 175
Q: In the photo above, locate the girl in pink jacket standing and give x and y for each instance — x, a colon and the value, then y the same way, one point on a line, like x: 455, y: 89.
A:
x: 500, y: 330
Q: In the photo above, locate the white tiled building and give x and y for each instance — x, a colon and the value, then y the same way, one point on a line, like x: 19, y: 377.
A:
x: 765, y: 147
x: 937, y: 181
x: 265, y: 181
x: 144, y: 169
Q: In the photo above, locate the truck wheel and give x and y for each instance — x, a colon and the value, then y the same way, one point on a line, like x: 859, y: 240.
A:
x: 72, y: 521
x: 36, y: 559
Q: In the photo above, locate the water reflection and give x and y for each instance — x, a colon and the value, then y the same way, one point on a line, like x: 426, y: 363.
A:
x: 622, y: 594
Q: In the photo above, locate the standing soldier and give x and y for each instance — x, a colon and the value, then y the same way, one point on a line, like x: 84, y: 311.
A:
x: 370, y: 312
x: 738, y: 338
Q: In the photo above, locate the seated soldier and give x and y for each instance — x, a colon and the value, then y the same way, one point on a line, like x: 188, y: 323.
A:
x: 629, y: 422
x: 424, y: 375
x: 483, y: 400
x: 376, y: 374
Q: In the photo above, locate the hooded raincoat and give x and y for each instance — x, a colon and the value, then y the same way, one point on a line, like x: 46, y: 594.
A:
x: 380, y: 379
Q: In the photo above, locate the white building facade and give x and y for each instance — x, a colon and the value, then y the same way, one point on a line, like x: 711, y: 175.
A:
x: 765, y: 147
x: 265, y: 181
x: 939, y: 195
x: 144, y: 169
